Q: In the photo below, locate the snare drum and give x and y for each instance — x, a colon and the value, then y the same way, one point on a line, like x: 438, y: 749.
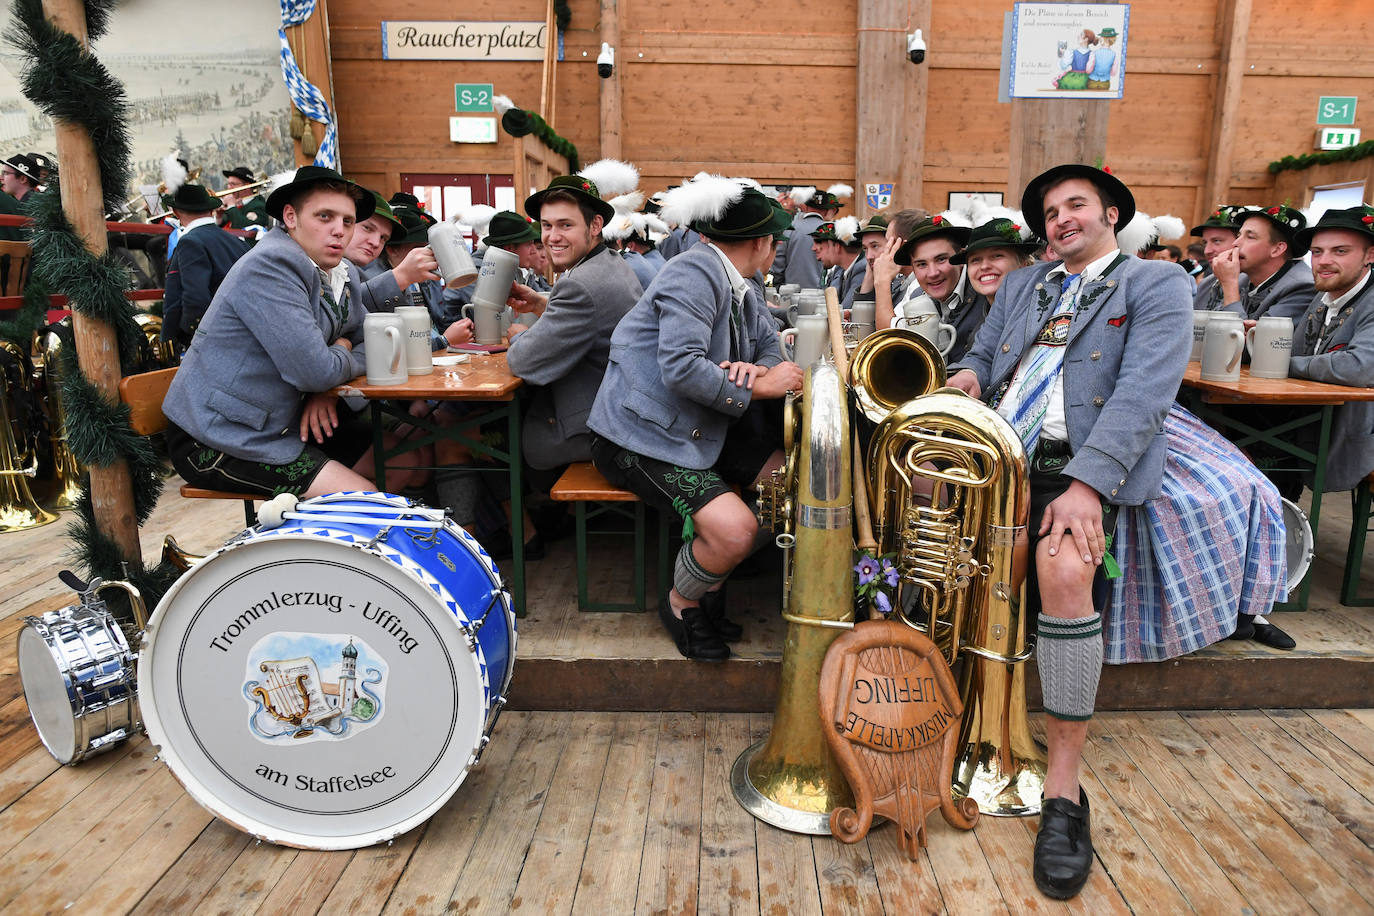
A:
x: 329, y: 682
x: 78, y: 677
x: 1298, y: 543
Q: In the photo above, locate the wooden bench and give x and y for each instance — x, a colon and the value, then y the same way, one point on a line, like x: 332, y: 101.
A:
x: 144, y: 393
x: 581, y: 485
x: 1354, y: 554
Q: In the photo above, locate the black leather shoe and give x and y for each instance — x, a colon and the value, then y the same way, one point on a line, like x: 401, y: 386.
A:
x: 1063, y: 847
x: 1271, y: 636
x: 1245, y: 627
x: 713, y: 606
x: 693, y: 634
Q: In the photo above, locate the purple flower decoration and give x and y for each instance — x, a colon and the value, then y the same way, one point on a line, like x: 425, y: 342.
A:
x: 890, y: 575
x: 883, y: 605
x: 867, y: 570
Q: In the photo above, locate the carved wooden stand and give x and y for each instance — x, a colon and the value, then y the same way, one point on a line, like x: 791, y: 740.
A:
x: 889, y: 707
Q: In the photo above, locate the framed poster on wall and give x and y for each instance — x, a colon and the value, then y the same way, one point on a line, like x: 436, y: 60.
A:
x: 1068, y: 50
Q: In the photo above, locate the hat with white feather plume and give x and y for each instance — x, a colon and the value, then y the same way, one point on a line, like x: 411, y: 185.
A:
x: 720, y: 208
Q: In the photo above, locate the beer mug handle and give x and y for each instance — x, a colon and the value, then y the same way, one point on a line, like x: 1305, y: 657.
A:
x: 944, y: 329
x: 789, y: 342
x: 1250, y: 342
x: 1239, y: 338
x: 468, y: 312
x: 398, y: 350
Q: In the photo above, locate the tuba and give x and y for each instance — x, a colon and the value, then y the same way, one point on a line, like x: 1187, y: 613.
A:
x: 18, y: 510
x: 64, y: 480
x: 790, y: 779
x: 962, y: 561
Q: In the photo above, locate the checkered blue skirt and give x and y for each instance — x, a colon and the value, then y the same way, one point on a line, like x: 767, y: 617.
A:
x: 1210, y: 547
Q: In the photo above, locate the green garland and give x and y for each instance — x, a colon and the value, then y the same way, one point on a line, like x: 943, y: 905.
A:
x: 520, y: 122
x: 65, y: 81
x: 1298, y: 163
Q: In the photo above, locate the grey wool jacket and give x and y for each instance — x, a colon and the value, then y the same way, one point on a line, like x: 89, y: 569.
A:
x: 266, y: 340
x: 1347, y: 359
x: 665, y: 394
x: 1127, y: 348
x: 564, y: 354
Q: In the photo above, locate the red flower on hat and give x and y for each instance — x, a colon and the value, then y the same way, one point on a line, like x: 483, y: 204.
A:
x: 1107, y: 169
x: 420, y: 204
x: 1367, y: 220
x: 936, y: 220
x: 586, y: 186
x: 1272, y: 211
x: 1016, y: 227
x: 529, y: 219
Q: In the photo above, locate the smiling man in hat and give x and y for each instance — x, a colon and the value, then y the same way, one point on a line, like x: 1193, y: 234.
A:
x: 686, y: 364
x: 565, y: 352
x: 930, y: 251
x: 202, y: 259
x: 1263, y: 274
x: 1083, y: 357
x: 282, y: 327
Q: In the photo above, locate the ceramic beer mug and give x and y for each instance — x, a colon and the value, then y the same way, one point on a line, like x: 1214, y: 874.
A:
x: 497, y: 275
x: 486, y: 322
x: 1270, y: 344
x: 1222, y: 347
x: 861, y: 319
x: 924, y: 318
x: 419, y: 353
x: 455, y: 263
x: 1200, y: 319
x: 809, y: 339
x: 384, y: 341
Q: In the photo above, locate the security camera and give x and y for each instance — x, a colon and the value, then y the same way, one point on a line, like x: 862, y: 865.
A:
x: 916, y: 47
x: 605, y: 61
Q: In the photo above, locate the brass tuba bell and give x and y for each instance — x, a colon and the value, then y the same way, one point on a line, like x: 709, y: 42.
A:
x: 63, y: 482
x: 18, y: 510
x: 790, y: 779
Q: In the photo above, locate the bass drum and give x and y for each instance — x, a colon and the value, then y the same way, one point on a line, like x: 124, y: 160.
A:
x: 1299, y: 544
x: 328, y: 683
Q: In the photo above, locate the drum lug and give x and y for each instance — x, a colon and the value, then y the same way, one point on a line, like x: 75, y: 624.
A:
x: 476, y: 758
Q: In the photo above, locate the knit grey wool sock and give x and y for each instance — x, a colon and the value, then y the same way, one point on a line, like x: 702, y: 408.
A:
x: 1069, y: 656
x: 690, y: 578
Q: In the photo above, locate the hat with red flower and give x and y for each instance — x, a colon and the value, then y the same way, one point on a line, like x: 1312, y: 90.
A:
x: 582, y: 189
x: 1223, y: 217
x: 950, y: 225
x: 999, y: 233
x: 1289, y: 221
x: 1356, y: 219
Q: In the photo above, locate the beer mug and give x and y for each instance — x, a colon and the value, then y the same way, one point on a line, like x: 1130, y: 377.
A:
x: 1222, y: 347
x: 496, y: 278
x: 1200, y: 319
x: 455, y: 263
x: 486, y: 322
x: 862, y: 320
x: 809, y: 340
x: 1270, y: 344
x: 384, y: 345
x: 419, y: 353
x: 924, y: 318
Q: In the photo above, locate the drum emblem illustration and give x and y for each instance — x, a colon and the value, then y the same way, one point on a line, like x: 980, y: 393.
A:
x: 313, y: 686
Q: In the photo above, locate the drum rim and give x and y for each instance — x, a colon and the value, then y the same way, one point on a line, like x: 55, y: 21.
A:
x: 221, y: 807
x: 1308, y: 543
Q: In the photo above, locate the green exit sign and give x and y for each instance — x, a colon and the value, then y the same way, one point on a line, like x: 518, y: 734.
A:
x: 1336, y: 109
x: 477, y: 97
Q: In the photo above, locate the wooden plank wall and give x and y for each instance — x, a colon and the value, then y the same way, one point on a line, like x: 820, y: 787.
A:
x: 767, y: 88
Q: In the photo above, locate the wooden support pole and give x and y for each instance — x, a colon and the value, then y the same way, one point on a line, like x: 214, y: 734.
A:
x: 310, y: 43
x: 548, y: 103
x: 891, y: 103
x: 1233, y: 24
x: 97, y: 348
x: 1048, y: 132
x: 610, y: 88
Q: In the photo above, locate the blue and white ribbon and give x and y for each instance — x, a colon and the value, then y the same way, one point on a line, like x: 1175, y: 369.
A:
x: 294, y: 12
x: 307, y: 98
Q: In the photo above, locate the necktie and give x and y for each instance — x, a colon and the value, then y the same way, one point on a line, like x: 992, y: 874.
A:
x: 1028, y: 397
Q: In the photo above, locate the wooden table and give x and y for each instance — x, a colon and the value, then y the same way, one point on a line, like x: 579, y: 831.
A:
x: 484, y: 381
x: 1212, y: 397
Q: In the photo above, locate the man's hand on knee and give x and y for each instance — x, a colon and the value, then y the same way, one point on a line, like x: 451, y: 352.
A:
x: 1078, y: 511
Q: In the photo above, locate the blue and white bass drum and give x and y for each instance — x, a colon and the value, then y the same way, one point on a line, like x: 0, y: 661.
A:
x: 328, y: 678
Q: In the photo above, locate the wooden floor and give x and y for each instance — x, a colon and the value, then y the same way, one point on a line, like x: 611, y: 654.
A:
x: 1242, y: 811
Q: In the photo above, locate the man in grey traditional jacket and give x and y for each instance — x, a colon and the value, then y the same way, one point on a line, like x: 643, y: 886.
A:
x: 1263, y: 274
x: 686, y: 364
x: 564, y: 353
x: 283, y: 329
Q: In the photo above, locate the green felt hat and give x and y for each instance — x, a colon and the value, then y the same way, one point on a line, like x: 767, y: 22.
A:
x: 1223, y: 217
x: 1356, y: 219
x: 307, y: 175
x: 193, y: 198
x: 406, y: 199
x: 383, y: 210
x: 877, y: 223
x: 932, y: 227
x: 510, y: 228
x: 1288, y: 220
x: 414, y: 230
x: 996, y: 233
x: 1033, y: 199
x: 825, y: 232
x: 582, y: 188
x: 1108, y: 32
x: 752, y: 216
